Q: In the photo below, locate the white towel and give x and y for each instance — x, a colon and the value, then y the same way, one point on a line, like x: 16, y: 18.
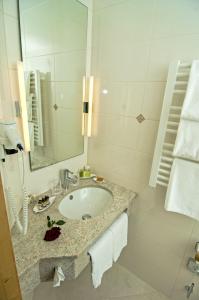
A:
x: 102, y: 257
x: 183, y: 190
x: 58, y: 276
x: 187, y: 141
x: 190, y: 108
x: 119, y: 230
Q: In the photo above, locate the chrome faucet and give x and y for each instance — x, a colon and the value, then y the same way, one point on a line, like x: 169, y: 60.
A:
x: 67, y: 177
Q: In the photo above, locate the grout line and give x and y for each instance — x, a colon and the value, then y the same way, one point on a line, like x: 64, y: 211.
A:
x: 11, y: 16
x: 135, y: 150
x: 111, y: 115
x: 55, y: 53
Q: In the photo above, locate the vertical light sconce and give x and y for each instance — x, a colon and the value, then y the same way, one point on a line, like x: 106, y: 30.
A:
x: 88, y: 85
x: 84, y: 103
x: 23, y: 106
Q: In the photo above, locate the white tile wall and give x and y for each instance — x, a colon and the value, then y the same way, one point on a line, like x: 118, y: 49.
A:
x: 12, y: 38
x: 10, y: 7
x: 134, y: 41
x: 183, y: 18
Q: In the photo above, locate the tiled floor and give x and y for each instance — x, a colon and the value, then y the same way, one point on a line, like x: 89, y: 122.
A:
x: 117, y: 284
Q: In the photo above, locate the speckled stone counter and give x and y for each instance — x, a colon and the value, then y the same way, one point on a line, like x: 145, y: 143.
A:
x: 31, y: 251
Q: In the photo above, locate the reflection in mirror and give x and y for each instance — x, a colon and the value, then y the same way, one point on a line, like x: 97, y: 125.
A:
x: 54, y: 40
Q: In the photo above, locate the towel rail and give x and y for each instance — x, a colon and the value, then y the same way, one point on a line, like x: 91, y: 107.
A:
x: 168, y: 145
x: 173, y: 131
x: 185, y: 65
x: 177, y: 81
x: 174, y: 116
x: 179, y: 91
x: 162, y: 183
x: 167, y: 152
x: 164, y: 178
x: 165, y: 165
x: 176, y: 108
x: 172, y: 123
x: 165, y: 158
x: 182, y: 74
x: 181, y: 82
x: 35, y: 89
x: 162, y: 171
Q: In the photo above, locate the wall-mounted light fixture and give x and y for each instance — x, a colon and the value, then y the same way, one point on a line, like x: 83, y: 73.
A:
x: 88, y: 85
x: 23, y: 106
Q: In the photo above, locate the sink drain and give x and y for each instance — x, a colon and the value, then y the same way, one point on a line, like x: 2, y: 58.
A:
x: 86, y: 217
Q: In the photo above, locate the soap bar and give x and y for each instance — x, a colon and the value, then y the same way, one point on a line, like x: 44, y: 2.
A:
x: 98, y: 179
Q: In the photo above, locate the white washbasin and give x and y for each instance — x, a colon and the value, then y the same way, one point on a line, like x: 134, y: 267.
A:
x: 85, y: 203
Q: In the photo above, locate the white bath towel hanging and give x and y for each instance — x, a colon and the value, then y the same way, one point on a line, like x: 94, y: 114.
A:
x: 183, y: 190
x: 119, y: 230
x: 102, y: 257
x: 190, y: 108
x: 187, y: 141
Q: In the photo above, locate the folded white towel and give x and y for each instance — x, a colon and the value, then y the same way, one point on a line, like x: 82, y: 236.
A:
x: 190, y: 108
x: 183, y: 192
x: 187, y: 141
x: 119, y: 230
x: 102, y: 257
x: 58, y: 276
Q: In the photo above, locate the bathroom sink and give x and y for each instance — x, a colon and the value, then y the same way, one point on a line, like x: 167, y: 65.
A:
x: 85, y: 203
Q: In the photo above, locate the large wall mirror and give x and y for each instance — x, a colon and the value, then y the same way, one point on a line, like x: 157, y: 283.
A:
x: 54, y: 43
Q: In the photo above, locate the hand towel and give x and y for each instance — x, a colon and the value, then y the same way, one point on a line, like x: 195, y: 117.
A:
x: 58, y: 277
x: 119, y: 230
x: 190, y: 108
x: 101, y: 256
x: 187, y: 141
x: 183, y: 190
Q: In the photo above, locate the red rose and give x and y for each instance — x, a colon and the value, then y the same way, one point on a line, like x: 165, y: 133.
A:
x: 52, y: 234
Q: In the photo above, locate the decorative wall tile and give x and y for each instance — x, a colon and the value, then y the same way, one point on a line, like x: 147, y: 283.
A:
x: 140, y: 118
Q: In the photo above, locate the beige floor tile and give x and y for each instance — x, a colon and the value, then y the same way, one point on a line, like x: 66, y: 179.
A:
x: 117, y: 283
x: 181, y: 295
x: 120, y: 282
x: 133, y: 297
x: 157, y: 241
x: 157, y: 296
x: 151, y: 296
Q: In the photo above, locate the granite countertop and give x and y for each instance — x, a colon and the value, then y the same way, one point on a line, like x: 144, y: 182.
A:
x: 76, y: 235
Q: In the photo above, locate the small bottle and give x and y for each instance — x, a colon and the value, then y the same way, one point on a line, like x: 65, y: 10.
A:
x: 87, y: 171
x: 81, y: 173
